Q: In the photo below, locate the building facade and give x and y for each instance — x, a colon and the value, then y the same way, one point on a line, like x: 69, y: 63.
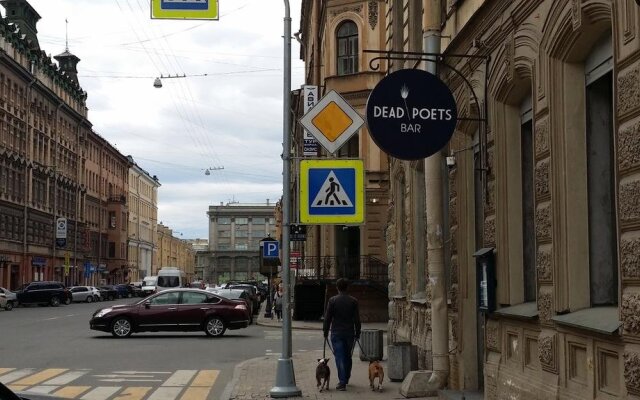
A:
x: 173, y: 252
x: 201, y: 248
x: 142, y: 220
x: 549, y: 185
x: 235, y: 231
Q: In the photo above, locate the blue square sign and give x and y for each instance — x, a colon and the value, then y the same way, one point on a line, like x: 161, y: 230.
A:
x: 271, y: 249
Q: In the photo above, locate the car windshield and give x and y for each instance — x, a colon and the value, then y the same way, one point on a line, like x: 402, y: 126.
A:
x: 149, y: 282
x: 168, y: 281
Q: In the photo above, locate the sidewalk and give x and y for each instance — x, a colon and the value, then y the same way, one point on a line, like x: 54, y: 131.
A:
x: 253, y: 379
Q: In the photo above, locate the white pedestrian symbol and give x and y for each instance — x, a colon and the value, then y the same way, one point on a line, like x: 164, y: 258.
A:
x: 332, y: 194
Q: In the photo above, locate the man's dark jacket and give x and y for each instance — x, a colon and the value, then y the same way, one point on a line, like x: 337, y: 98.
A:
x: 342, y: 316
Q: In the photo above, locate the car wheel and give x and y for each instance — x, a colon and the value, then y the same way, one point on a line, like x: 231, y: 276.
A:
x: 9, y: 306
x: 67, y: 301
x: 121, y: 327
x: 96, y: 298
x: 89, y: 299
x: 54, y: 302
x: 214, y: 327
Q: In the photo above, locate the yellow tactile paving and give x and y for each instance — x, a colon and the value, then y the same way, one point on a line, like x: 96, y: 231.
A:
x: 40, y: 376
x: 206, y: 377
x: 71, y: 392
x: 17, y: 388
x: 5, y: 370
x: 133, y: 393
x: 196, y: 393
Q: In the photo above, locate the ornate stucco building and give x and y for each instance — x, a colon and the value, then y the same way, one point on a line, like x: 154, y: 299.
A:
x: 551, y: 185
x: 173, y: 252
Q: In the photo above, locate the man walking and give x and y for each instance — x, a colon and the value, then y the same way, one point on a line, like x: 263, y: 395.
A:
x: 343, y: 318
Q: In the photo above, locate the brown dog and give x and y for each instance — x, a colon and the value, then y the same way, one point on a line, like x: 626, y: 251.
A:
x: 323, y: 373
x: 375, y: 371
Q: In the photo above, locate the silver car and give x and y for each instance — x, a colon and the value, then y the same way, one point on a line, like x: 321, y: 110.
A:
x: 11, y: 297
x: 4, y: 303
x: 85, y: 293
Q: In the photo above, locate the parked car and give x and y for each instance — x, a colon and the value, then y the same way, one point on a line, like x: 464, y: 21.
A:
x: 236, y: 294
x: 170, y: 278
x: 11, y: 296
x: 173, y: 310
x: 124, y: 290
x: 4, y: 303
x: 148, y: 285
x: 253, y: 292
x: 108, y: 292
x: 137, y: 288
x: 198, y: 285
x: 85, y: 293
x: 43, y: 292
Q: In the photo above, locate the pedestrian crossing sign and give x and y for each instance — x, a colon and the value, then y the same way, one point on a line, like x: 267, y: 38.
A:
x: 331, y: 191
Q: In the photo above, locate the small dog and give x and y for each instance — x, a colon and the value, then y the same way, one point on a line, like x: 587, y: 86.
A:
x: 375, y: 371
x: 323, y: 373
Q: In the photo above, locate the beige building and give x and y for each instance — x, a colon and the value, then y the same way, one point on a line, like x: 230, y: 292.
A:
x: 143, y: 219
x: 173, y: 252
x: 551, y: 185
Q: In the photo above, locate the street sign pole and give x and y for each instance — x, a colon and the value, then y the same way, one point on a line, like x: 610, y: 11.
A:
x: 285, y: 376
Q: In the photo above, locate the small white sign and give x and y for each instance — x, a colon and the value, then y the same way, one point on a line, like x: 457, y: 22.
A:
x: 61, y: 228
x: 310, y: 144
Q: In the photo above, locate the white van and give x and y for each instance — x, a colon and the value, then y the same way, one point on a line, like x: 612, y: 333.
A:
x: 148, y: 285
x: 170, y: 278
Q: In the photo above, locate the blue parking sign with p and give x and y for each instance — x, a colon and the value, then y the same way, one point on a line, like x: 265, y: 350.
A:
x: 271, y: 249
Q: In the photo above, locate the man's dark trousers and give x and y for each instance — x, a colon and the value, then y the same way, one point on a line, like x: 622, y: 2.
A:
x: 342, y: 344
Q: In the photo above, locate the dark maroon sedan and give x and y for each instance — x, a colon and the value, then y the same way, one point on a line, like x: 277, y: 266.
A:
x: 173, y: 310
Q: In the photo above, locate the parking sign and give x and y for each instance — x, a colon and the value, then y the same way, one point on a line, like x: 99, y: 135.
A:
x: 271, y: 249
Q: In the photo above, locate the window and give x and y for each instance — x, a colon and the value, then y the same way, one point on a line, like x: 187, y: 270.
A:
x: 224, y: 221
x: 528, y: 201
x: 112, y: 250
x: 165, y: 298
x: 242, y: 221
x: 600, y: 175
x: 241, y: 246
x: 193, y: 298
x: 347, y: 38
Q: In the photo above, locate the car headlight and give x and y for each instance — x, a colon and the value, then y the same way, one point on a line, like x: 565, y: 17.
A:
x: 103, y: 312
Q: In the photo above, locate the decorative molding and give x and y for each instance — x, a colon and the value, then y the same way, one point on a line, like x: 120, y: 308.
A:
x: 629, y: 146
x: 509, y: 54
x: 545, y: 305
x: 489, y: 232
x: 576, y: 14
x: 629, y: 21
x: 373, y: 14
x: 629, y: 199
x: 356, y: 9
x: 548, y: 352
x: 541, y: 137
x: 493, y: 335
x: 632, y: 372
x: 542, y: 173
x: 455, y: 270
x: 630, y: 258
x: 543, y: 222
x: 628, y: 90
x: 544, y: 265
x: 453, y: 212
x: 453, y: 296
x: 630, y: 313
x: 490, y: 206
x: 453, y: 175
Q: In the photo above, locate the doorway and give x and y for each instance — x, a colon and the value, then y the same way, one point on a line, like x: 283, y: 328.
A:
x: 347, y: 252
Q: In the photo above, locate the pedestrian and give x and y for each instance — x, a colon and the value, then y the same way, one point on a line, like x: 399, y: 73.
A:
x: 277, y: 304
x: 342, y: 318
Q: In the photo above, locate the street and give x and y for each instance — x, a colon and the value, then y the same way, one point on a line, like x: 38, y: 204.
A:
x: 51, y: 350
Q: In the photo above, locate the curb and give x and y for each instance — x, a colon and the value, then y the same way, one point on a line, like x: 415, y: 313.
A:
x: 228, y: 390
x: 302, y: 328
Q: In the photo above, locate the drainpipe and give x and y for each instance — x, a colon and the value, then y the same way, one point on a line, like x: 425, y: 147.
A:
x: 27, y: 182
x: 435, y: 219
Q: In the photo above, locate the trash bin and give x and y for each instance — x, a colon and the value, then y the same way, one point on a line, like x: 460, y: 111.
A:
x: 372, y: 345
x: 403, y: 358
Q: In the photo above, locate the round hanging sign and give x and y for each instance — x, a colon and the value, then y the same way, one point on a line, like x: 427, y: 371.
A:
x: 411, y: 114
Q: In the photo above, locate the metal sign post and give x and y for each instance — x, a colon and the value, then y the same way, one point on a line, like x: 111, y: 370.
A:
x: 285, y: 376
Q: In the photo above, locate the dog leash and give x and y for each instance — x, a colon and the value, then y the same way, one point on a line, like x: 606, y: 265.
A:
x: 367, y: 357
x: 326, y: 343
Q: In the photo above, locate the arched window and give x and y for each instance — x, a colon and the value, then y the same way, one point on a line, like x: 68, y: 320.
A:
x: 347, y: 37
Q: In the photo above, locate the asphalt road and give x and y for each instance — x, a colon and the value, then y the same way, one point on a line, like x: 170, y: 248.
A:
x: 49, y: 349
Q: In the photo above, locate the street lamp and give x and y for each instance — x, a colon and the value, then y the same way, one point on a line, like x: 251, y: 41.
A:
x: 208, y: 170
x: 157, y: 83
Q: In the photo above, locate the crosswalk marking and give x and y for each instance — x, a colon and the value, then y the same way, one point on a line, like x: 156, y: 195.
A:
x: 43, y: 389
x: 40, y: 376
x: 15, y: 375
x: 101, y: 393
x: 71, y: 392
x: 165, y: 393
x: 66, y: 378
x: 196, y: 393
x: 206, y: 377
x: 180, y: 377
x: 133, y: 393
x: 18, y: 388
x: 5, y: 370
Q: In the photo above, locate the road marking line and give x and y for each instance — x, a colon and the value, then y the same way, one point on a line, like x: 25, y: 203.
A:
x: 180, y: 377
x: 40, y: 376
x: 196, y: 393
x: 140, y: 372
x: 17, y: 388
x: 165, y: 393
x: 15, y: 375
x: 65, y: 379
x: 44, y: 389
x: 133, y: 393
x: 101, y: 393
x: 71, y: 392
x: 4, y: 370
x: 206, y: 377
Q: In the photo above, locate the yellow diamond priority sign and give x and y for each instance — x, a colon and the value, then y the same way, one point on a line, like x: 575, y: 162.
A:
x: 332, y: 121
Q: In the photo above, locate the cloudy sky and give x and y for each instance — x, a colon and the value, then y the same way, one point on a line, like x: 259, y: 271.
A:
x: 231, y: 118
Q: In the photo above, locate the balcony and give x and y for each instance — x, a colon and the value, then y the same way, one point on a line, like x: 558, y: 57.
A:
x: 363, y: 268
